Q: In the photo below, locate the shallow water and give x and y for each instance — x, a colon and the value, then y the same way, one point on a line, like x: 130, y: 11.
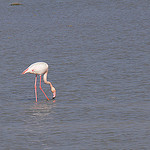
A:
x: 98, y: 56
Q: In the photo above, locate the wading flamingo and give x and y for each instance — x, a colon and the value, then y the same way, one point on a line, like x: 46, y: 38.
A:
x: 40, y: 68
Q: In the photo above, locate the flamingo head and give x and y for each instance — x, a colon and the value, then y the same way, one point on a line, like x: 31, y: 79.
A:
x: 54, y: 92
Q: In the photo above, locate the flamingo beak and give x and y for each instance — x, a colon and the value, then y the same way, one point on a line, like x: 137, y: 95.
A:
x: 54, y: 94
x: 25, y: 71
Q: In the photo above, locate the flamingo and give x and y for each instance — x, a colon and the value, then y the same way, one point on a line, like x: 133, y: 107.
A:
x: 40, y: 68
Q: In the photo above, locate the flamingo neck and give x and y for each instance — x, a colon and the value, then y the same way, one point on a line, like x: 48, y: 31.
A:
x: 45, y: 79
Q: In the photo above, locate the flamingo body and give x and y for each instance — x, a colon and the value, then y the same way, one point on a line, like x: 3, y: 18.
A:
x: 40, y: 68
x: 37, y: 68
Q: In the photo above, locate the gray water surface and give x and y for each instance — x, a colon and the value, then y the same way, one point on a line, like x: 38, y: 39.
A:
x: 98, y: 53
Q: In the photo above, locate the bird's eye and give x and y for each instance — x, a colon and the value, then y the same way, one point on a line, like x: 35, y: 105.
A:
x: 32, y: 70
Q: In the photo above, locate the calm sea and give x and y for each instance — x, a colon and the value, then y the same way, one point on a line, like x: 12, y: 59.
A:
x: 98, y: 53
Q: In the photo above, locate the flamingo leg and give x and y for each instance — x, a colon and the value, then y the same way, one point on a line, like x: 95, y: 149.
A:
x: 35, y: 87
x: 42, y: 89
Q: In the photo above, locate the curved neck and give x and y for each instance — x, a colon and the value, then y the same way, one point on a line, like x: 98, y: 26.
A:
x: 45, y: 79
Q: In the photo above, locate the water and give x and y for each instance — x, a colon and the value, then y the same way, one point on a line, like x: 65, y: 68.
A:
x: 98, y: 54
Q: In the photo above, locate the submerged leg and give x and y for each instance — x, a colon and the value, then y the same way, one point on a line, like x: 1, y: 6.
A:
x: 35, y: 88
x: 42, y: 89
